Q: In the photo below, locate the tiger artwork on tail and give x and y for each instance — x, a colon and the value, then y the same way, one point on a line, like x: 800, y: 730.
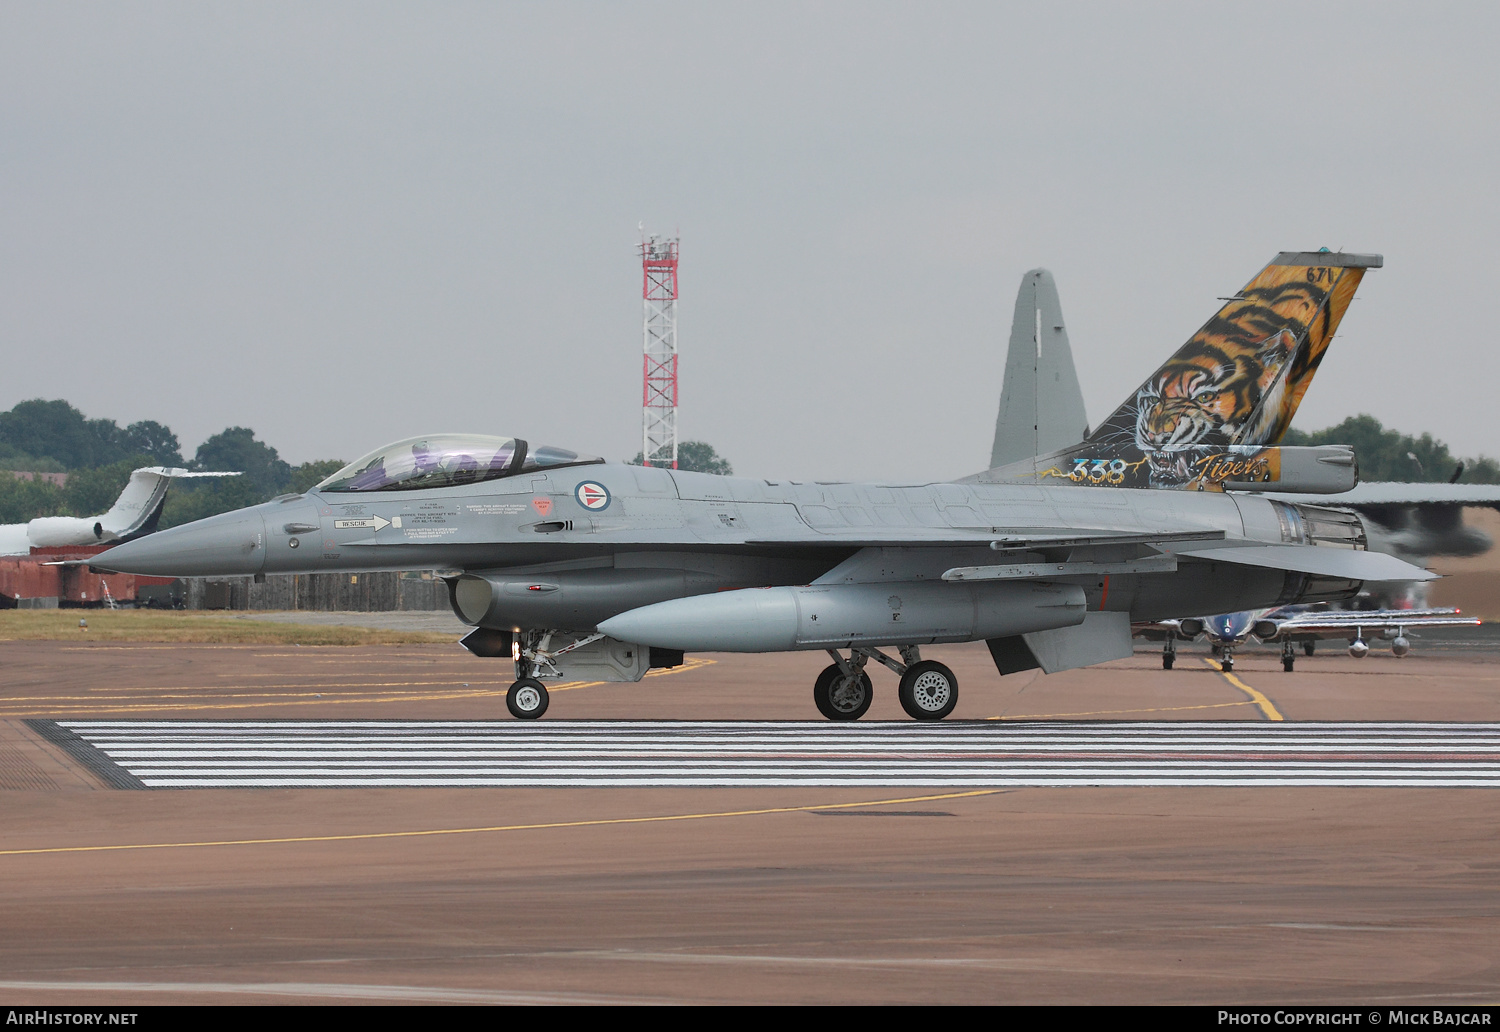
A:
x: 1227, y: 385
x: 1238, y: 380
x: 1215, y: 413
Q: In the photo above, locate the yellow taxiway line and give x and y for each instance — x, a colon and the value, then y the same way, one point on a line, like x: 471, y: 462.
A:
x: 1265, y: 705
x: 133, y: 700
x: 1118, y: 712
x: 505, y: 827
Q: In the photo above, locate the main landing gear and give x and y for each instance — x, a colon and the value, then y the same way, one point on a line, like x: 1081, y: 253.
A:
x: 928, y: 689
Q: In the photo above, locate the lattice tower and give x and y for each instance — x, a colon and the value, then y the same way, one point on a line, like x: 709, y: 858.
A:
x: 659, y: 399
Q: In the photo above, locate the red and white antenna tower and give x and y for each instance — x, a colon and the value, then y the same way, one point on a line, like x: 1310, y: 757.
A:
x: 659, y: 295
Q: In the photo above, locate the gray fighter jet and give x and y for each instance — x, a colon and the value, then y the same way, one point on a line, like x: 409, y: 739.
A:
x: 574, y: 567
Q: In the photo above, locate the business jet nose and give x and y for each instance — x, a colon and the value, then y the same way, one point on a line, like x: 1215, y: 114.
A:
x: 229, y: 545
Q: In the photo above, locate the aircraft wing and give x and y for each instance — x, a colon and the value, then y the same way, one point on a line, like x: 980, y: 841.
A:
x: 1340, y: 624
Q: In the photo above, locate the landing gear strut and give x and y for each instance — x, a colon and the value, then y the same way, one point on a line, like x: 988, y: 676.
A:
x: 1226, y: 659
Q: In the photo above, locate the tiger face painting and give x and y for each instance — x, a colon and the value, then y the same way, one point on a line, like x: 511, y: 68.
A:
x: 1211, y: 397
x: 1237, y: 381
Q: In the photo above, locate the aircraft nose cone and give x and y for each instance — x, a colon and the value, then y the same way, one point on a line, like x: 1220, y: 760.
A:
x: 229, y: 545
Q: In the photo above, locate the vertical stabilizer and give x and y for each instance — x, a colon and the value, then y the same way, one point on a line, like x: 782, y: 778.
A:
x: 1041, y: 405
x: 1213, y: 415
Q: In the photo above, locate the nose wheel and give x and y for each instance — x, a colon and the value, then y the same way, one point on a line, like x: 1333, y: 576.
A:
x: 527, y: 699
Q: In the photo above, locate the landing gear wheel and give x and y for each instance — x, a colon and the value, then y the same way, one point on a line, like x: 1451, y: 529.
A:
x: 527, y: 699
x: 1287, y: 662
x: 1167, y: 659
x: 1308, y: 647
x: 929, y: 691
x: 841, y: 697
x: 1227, y: 664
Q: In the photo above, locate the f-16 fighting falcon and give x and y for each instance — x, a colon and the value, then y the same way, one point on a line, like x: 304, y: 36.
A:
x: 573, y: 567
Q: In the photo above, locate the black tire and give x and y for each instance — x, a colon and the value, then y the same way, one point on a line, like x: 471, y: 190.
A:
x: 1227, y: 664
x: 929, y: 691
x: 1167, y: 659
x: 527, y: 699
x: 1288, y: 662
x: 1308, y: 647
x: 838, y: 699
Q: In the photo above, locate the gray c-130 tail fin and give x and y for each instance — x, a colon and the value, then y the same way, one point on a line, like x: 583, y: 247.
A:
x: 1041, y: 404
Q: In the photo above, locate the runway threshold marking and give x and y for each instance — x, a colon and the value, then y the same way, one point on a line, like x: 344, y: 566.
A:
x: 1265, y: 705
x: 898, y: 755
x: 364, y: 836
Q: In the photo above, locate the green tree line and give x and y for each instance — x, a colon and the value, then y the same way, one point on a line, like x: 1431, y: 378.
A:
x: 1389, y: 455
x: 98, y: 455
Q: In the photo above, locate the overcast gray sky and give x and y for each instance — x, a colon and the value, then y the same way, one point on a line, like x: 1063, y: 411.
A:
x: 341, y: 224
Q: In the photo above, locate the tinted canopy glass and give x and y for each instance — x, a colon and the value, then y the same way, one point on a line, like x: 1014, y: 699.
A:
x: 447, y: 460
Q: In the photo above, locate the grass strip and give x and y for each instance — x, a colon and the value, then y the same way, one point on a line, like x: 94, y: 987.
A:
x: 148, y: 625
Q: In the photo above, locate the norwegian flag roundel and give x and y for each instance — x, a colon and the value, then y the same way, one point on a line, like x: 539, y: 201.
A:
x: 592, y: 495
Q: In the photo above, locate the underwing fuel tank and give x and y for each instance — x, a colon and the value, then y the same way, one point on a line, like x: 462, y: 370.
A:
x: 846, y: 615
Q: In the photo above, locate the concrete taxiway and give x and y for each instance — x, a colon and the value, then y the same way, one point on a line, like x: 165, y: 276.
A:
x: 868, y: 885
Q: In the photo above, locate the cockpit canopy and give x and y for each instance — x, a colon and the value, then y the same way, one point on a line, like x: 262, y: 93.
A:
x: 447, y: 460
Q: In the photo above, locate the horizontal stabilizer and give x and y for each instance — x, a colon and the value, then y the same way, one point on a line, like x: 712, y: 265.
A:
x: 1387, y: 493
x: 1348, y: 563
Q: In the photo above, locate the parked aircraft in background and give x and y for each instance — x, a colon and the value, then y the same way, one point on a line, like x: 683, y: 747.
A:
x: 135, y: 513
x: 577, y: 568
x: 1291, y: 625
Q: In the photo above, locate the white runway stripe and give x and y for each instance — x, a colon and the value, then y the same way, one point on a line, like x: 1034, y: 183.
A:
x: 338, y: 754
